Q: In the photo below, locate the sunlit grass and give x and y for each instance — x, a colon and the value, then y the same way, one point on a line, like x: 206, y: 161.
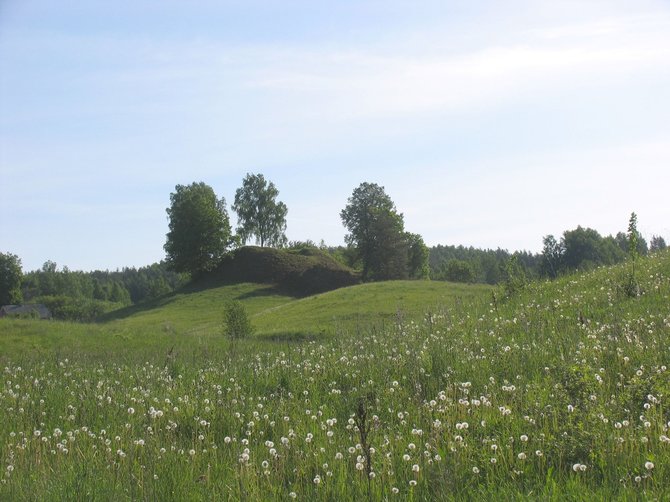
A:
x: 558, y: 394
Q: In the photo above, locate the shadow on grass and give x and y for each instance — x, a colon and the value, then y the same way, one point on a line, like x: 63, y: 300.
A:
x: 263, y: 290
x: 144, y: 306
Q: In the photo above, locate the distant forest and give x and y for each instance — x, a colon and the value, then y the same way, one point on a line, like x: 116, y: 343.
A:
x: 83, y: 296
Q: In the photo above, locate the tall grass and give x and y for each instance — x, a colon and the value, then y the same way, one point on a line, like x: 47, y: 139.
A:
x: 556, y: 394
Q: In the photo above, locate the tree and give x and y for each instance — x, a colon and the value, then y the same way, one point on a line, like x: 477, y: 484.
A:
x: 10, y: 279
x: 552, y: 256
x: 515, y: 276
x: 389, y: 247
x: 585, y: 248
x: 200, y: 230
x: 236, y: 323
x: 657, y: 243
x: 258, y: 212
x: 374, y: 225
x: 418, y: 255
x: 459, y: 271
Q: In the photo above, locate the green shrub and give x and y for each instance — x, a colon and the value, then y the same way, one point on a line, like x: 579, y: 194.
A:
x: 236, y: 321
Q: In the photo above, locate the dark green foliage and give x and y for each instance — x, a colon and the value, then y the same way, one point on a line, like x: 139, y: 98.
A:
x: 630, y: 284
x: 585, y: 248
x: 388, y: 248
x: 10, y: 279
x: 459, y: 271
x: 134, y: 285
x: 551, y: 261
x: 376, y: 233
x: 418, y: 253
x: 301, y: 272
x: 367, y: 204
x: 200, y: 230
x: 67, y: 308
x: 236, y: 321
x: 515, y: 276
x: 488, y: 265
x: 623, y: 241
x: 657, y: 243
x: 259, y: 213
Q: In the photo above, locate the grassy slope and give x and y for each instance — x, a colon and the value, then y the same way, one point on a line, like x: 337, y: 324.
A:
x: 359, y: 307
x: 189, y: 317
x: 160, y: 323
x: 525, y: 375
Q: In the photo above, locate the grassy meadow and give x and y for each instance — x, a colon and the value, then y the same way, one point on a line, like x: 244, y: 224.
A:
x: 388, y: 391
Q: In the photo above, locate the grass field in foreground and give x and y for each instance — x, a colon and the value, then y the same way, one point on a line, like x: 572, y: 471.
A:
x: 560, y: 393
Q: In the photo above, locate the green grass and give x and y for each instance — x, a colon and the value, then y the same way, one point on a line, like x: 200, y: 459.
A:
x: 366, y: 306
x: 559, y: 393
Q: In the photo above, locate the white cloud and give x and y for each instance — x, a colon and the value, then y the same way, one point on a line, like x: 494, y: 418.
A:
x: 359, y: 84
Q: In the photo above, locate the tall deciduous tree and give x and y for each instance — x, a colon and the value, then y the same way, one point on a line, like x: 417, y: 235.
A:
x: 200, y: 230
x: 10, y: 279
x: 552, y: 256
x: 376, y: 230
x: 418, y: 256
x: 259, y: 213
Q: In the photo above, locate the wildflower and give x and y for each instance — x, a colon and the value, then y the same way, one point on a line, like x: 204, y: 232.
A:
x: 521, y: 456
x: 649, y: 465
x: 415, y: 468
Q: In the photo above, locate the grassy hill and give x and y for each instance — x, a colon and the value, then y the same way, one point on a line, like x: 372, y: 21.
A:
x: 195, y: 316
x: 558, y: 393
x: 300, y: 272
x: 372, y: 305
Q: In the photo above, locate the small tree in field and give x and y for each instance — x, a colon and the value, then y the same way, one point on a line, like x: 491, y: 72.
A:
x: 236, y: 323
x: 631, y: 286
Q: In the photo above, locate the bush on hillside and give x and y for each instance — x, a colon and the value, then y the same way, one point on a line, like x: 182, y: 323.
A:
x: 236, y: 321
x: 67, y: 308
x: 302, y: 272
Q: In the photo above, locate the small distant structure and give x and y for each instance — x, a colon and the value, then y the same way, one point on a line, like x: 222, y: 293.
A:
x: 32, y: 310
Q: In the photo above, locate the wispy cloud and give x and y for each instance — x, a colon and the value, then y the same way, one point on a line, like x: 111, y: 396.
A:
x: 550, y: 60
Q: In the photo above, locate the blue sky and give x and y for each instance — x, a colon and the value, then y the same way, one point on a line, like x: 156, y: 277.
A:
x: 489, y: 123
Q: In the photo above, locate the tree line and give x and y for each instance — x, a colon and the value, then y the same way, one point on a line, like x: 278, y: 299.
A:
x: 578, y: 249
x: 200, y: 233
x: 83, y: 296
x: 377, y: 245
